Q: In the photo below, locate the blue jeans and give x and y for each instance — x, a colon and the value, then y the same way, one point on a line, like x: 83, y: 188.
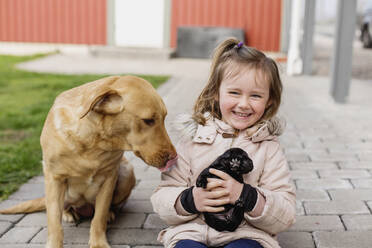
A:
x: 240, y: 243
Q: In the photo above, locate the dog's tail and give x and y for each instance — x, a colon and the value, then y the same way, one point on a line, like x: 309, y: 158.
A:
x: 30, y: 206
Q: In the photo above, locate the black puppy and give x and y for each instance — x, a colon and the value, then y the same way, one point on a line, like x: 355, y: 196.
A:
x: 234, y: 162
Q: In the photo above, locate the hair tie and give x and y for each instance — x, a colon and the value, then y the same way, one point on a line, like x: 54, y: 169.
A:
x: 240, y: 44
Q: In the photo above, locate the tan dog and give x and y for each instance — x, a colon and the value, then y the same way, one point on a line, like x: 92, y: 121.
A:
x: 83, y: 140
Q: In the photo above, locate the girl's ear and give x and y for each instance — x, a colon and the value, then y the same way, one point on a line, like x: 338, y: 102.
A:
x: 269, y: 103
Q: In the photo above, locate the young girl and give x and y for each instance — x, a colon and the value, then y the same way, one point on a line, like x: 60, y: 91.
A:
x: 236, y: 109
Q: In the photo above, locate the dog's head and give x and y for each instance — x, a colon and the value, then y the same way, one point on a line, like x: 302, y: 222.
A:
x: 131, y: 115
x: 238, y: 161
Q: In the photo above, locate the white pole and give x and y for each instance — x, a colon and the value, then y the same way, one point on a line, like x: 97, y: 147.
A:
x: 294, y: 63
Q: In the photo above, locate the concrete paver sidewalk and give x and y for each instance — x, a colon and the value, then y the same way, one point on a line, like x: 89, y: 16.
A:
x: 328, y: 146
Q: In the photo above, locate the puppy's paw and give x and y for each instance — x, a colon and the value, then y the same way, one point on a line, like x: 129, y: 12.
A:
x: 202, y: 181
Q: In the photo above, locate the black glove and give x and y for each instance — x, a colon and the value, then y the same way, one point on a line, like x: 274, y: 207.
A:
x: 248, y: 198
x: 187, y: 201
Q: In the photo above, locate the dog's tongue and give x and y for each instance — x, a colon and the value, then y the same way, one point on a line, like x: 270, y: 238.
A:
x: 169, y: 164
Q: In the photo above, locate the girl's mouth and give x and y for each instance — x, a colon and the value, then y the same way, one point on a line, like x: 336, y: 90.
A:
x: 242, y: 115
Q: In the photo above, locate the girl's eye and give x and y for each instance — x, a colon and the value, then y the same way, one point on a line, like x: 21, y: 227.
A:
x: 256, y: 96
x: 233, y: 92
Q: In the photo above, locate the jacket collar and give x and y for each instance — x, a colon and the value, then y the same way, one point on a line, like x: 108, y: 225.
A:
x: 267, y: 130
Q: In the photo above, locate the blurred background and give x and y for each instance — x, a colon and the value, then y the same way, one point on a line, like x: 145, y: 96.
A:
x: 166, y: 28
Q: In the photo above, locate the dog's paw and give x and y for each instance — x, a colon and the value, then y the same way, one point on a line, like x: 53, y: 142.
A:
x: 98, y: 244
x: 110, y: 216
x: 68, y: 217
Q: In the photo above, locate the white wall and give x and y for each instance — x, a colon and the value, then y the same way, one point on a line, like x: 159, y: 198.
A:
x: 139, y: 23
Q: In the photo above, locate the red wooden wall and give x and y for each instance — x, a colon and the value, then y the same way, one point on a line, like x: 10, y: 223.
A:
x: 53, y: 21
x: 260, y: 19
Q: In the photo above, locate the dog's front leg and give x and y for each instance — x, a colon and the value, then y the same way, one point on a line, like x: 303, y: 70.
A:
x: 98, y: 227
x: 55, y: 192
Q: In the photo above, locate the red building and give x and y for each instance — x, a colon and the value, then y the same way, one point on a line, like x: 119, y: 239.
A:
x: 95, y: 22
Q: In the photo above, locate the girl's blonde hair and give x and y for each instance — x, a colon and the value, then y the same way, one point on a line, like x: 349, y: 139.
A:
x: 231, y: 53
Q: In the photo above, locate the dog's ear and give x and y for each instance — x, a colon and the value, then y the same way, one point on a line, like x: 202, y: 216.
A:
x: 106, y: 102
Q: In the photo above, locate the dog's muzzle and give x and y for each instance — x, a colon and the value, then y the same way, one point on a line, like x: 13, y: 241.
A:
x: 170, y: 163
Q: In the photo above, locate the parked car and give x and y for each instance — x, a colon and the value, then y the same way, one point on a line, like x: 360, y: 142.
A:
x: 366, y: 27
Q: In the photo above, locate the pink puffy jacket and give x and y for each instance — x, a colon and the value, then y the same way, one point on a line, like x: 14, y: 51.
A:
x: 270, y: 176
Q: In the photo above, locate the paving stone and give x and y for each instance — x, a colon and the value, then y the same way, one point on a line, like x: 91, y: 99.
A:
x: 153, y: 221
x: 40, y: 220
x: 311, y: 195
x: 133, y: 236
x: 365, y: 157
x: 26, y: 246
x: 296, y: 240
x: 311, y: 223
x: 332, y: 157
x: 148, y: 184
x: 346, y: 174
x: 141, y: 194
x: 34, y: 219
x: 28, y: 191
x: 72, y: 235
x: 358, y: 222
x: 326, y: 183
x: 299, y: 208
x: 151, y: 173
x: 147, y: 246
x: 339, y: 239
x: 351, y: 194
x: 362, y: 183
x: 19, y: 235
x: 4, y: 227
x: 343, y: 140
x: 356, y: 165
x: 369, y: 203
x: 317, y: 144
x: 360, y: 146
x: 138, y: 206
x: 297, y: 174
x: 129, y: 220
x: 73, y: 238
x: 312, y: 165
x: 37, y: 179
x: 291, y: 145
x: 336, y: 207
x: 301, y: 157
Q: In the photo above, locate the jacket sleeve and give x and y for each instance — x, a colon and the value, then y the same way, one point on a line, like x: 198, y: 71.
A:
x: 172, y: 184
x: 275, y: 185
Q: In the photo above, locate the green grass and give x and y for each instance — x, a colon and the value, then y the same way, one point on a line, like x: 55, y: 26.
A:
x: 25, y: 99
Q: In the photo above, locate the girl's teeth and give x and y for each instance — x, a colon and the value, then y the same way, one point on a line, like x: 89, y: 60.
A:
x: 242, y: 115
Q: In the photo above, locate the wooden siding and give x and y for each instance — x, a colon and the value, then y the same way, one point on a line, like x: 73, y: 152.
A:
x: 260, y: 19
x: 53, y: 21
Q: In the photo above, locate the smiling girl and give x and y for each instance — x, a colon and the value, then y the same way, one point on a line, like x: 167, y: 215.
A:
x: 236, y: 109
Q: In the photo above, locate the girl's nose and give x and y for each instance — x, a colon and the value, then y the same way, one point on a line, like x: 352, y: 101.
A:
x: 244, y: 103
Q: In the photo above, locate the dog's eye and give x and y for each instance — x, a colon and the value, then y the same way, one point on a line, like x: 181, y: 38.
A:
x: 149, y: 122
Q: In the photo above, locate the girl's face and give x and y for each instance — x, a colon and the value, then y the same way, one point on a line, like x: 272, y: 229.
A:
x: 243, y: 98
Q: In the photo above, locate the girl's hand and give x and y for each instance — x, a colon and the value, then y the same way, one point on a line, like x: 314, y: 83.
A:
x: 210, y: 199
x: 226, y: 184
